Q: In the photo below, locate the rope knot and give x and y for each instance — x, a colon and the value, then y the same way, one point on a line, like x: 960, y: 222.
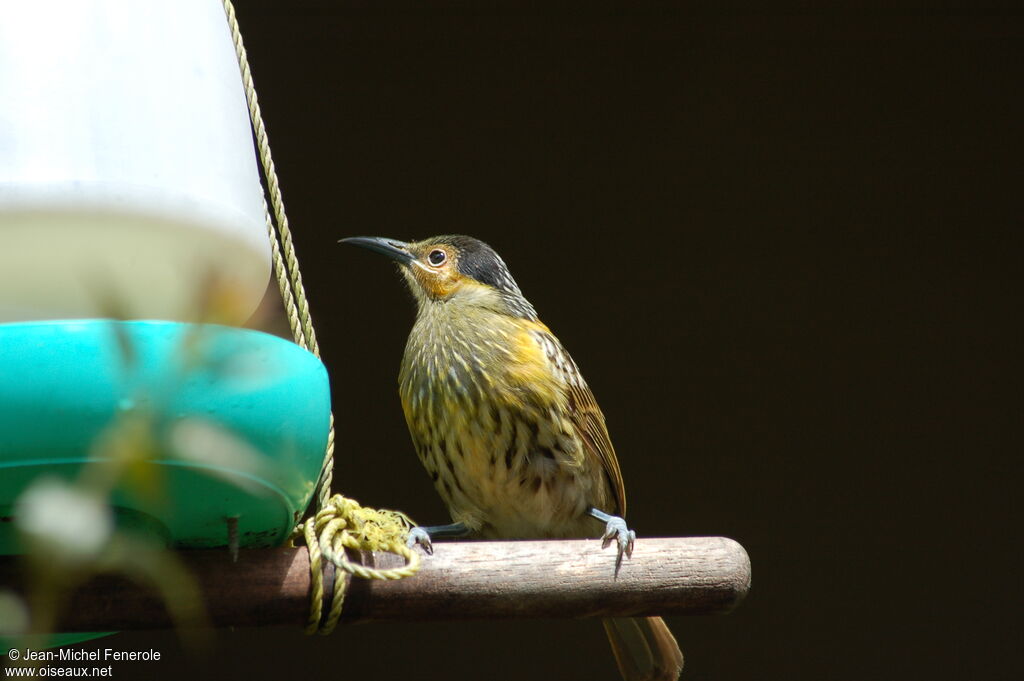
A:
x: 343, y: 524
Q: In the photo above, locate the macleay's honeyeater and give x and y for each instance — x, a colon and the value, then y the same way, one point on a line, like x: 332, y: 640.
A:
x: 505, y: 424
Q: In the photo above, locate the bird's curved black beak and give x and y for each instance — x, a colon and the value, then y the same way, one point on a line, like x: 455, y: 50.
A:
x: 392, y: 248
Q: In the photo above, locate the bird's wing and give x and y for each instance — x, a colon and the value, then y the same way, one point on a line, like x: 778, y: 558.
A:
x: 586, y: 416
x: 589, y: 421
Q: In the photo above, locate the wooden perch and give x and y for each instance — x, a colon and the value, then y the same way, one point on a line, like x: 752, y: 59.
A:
x: 462, y: 580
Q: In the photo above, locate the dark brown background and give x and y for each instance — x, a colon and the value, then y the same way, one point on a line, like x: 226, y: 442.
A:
x: 778, y: 244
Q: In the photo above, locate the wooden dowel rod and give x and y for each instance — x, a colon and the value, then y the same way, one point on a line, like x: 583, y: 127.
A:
x: 462, y: 580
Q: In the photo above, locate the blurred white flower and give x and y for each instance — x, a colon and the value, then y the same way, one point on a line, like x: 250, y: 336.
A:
x: 63, y: 522
x: 14, y: 616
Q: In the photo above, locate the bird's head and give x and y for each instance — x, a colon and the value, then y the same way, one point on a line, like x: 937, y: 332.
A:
x: 453, y: 269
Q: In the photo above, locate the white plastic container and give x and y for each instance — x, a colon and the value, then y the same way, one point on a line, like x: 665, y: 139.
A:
x: 128, y: 179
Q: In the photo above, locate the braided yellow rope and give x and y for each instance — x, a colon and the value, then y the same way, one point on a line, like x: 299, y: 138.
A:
x: 282, y: 282
x: 339, y: 523
x: 276, y: 200
x: 343, y: 524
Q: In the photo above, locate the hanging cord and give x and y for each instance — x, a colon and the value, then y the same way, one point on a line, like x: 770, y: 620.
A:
x: 339, y: 523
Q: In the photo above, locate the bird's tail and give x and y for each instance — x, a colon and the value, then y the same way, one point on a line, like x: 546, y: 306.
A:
x: 644, y: 648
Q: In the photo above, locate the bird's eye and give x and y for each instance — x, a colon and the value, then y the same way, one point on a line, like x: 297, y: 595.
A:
x: 437, y: 257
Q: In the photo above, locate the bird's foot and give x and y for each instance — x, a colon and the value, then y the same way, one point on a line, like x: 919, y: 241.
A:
x: 616, y: 530
x: 424, y: 535
x: 418, y: 535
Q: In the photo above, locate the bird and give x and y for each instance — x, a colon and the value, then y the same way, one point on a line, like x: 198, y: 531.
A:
x: 506, y: 426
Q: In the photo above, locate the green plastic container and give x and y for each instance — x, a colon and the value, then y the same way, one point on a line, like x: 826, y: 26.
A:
x: 62, y: 383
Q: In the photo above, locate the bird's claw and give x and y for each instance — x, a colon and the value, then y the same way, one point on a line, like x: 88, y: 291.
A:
x: 418, y: 535
x: 616, y: 529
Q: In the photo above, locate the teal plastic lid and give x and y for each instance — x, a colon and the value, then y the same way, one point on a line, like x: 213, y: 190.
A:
x: 240, y: 421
